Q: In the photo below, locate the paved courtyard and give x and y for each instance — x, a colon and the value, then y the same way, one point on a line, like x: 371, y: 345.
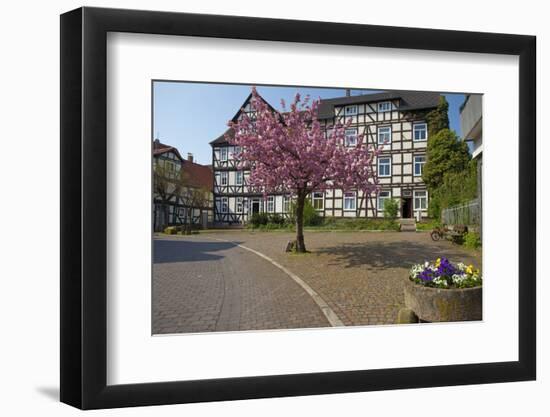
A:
x: 207, y: 282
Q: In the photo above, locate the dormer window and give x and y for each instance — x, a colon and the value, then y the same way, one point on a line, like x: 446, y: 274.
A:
x: 384, y: 106
x: 350, y: 110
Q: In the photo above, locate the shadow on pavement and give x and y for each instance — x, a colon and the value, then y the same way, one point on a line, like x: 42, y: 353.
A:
x: 168, y: 251
x: 392, y: 254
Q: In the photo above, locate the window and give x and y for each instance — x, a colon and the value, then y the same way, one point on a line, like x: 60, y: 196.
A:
x: 238, y: 178
x: 420, y: 131
x: 351, y: 137
x: 286, y: 203
x: 270, y: 204
x: 349, y: 201
x: 384, y: 106
x: 350, y: 110
x: 224, y: 205
x: 384, y: 135
x: 384, y: 167
x: 318, y: 200
x: 239, y: 206
x: 420, y: 200
x: 419, y: 162
x: 382, y: 197
x: 223, y: 178
x: 223, y: 154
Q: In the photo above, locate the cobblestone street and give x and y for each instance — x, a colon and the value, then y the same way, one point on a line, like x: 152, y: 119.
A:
x: 204, y: 284
x: 200, y: 285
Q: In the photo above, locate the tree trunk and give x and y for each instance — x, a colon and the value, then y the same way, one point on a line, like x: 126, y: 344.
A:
x: 300, y: 244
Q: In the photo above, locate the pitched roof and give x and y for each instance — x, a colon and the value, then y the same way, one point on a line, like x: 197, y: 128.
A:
x: 220, y: 140
x: 200, y: 176
x: 409, y: 100
x: 161, y: 148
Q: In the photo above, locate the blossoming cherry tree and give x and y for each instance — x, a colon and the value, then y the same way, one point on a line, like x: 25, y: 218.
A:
x: 290, y: 153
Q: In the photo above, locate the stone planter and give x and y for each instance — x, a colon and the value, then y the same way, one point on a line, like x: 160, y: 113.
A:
x: 438, y: 304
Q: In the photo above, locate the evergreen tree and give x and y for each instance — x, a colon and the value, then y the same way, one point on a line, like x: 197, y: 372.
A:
x: 446, y: 153
x: 438, y: 119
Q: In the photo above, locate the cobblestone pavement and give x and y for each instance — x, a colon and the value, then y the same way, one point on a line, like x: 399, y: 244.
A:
x: 202, y: 285
x: 359, y: 274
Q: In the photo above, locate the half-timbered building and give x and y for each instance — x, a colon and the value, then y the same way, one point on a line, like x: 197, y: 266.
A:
x: 394, y: 121
x: 182, y: 189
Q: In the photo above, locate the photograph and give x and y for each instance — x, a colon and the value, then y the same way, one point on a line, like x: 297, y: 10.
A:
x: 298, y: 207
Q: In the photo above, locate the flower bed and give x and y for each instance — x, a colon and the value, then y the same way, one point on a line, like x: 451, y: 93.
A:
x: 444, y: 274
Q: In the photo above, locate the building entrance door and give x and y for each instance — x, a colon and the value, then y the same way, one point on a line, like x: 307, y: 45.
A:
x: 255, y: 206
x: 406, y: 208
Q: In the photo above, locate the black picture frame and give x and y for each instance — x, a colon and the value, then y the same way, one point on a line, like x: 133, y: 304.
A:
x: 84, y: 207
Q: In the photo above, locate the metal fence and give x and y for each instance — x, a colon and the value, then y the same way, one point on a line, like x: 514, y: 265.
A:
x: 468, y: 213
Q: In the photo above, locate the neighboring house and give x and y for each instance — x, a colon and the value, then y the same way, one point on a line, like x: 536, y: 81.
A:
x: 394, y: 120
x: 471, y: 125
x: 182, y: 192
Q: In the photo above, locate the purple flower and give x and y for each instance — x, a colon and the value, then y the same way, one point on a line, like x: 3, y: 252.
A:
x: 427, y: 275
x: 446, y: 268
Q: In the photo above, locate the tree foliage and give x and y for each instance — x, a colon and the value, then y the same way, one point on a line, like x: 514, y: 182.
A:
x: 456, y: 188
x: 438, y: 119
x: 446, y: 153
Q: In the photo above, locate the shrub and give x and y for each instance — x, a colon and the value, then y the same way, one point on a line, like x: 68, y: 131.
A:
x: 391, y: 207
x: 171, y: 230
x: 276, y: 219
x: 259, y: 219
x: 472, y: 240
x: 311, y: 217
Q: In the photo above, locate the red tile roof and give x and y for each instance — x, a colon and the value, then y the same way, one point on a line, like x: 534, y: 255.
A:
x: 200, y: 176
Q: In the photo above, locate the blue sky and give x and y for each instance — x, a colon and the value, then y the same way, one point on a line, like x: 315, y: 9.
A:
x: 190, y: 115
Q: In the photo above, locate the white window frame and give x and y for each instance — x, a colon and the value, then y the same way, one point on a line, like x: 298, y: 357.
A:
x: 316, y: 197
x: 350, y: 196
x: 378, y: 164
x: 224, y: 175
x: 348, y: 135
x: 286, y: 203
x: 224, y: 153
x: 425, y: 197
x: 379, y: 132
x: 421, y: 164
x: 382, y: 198
x: 347, y: 109
x: 239, y: 175
x: 381, y: 106
x: 239, y: 204
x: 224, y: 204
x: 415, y: 125
x: 270, y: 204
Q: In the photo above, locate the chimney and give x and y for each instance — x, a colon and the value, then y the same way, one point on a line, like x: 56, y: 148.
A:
x: 189, y: 156
x: 348, y: 92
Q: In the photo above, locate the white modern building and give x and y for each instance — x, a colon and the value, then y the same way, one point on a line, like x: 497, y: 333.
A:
x: 394, y: 120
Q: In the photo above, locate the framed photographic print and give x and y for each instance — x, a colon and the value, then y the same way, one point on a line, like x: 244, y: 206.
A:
x: 256, y: 208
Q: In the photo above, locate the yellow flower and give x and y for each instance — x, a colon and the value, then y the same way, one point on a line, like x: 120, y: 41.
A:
x: 470, y: 269
x: 438, y: 262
